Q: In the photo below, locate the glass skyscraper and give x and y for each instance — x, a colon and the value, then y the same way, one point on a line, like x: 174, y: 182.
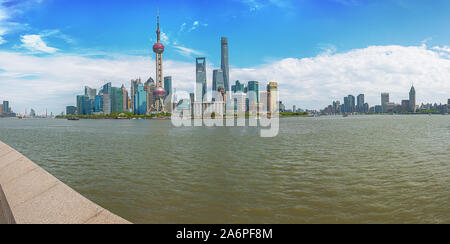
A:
x: 133, y: 89
x: 5, y: 108
x: 351, y: 104
x: 360, y: 104
x: 224, y: 65
x: 70, y: 110
x: 117, y: 100
x: 253, y: 91
x: 412, y: 100
x: 107, y: 88
x: 218, y: 80
x: 238, y: 87
x: 85, y: 106
x: 384, y: 101
x: 106, y: 103
x: 168, y: 85
x: 140, y: 100
x: 200, y: 88
x: 98, y: 104
x: 346, y: 105
x: 90, y: 92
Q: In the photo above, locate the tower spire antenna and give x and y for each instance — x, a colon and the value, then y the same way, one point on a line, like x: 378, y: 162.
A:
x: 157, y: 21
x: 158, y: 92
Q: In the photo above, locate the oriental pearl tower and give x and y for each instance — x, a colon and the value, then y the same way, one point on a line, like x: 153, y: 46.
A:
x: 159, y: 92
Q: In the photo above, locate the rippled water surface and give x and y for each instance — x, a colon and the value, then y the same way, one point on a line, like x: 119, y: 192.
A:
x: 362, y: 169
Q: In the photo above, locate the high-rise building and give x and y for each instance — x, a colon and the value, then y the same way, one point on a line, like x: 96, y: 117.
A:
x: 405, y: 105
x: 125, y: 98
x: 346, y: 105
x: 107, y: 88
x: 107, y: 96
x: 169, y: 97
x: 224, y: 64
x: 200, y: 88
x: 360, y: 103
x: 117, y: 100
x: 240, y: 100
x: 281, y: 107
x: 253, y: 91
x: 366, y: 108
x: 336, y: 107
x: 1, y: 110
x: 80, y: 104
x: 272, y: 103
x: 90, y: 92
x: 149, y: 87
x: 106, y: 103
x: 238, y: 87
x: 158, y: 93
x: 384, y: 101
x: 218, y: 80
x: 378, y: 109
x: 133, y: 89
x: 191, y: 102
x: 140, y: 100
x: 84, y: 105
x: 412, y: 100
x: 98, y: 103
x: 70, y: 110
x: 89, y: 100
x: 5, y: 108
x: 352, y: 104
x: 168, y: 85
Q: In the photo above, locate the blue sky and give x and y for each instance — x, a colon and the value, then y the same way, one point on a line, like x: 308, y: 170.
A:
x: 262, y: 34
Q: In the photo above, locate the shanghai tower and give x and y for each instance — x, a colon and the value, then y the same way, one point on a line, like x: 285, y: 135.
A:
x: 224, y: 64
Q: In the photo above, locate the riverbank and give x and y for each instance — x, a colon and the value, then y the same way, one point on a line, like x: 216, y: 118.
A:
x: 302, y: 114
x: 30, y: 195
x: 126, y: 115
x: 165, y: 116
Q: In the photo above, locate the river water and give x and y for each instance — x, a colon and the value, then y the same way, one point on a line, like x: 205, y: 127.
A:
x: 361, y: 169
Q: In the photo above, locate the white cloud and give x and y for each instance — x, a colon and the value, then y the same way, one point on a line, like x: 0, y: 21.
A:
x: 187, y: 52
x: 9, y: 11
x: 182, y: 27
x: 2, y: 32
x: 443, y: 49
x: 35, y: 44
x: 3, y: 15
x: 194, y: 26
x: 53, y: 81
x: 3, y: 18
x: 315, y: 82
x: 255, y: 5
x: 165, y: 38
x: 57, y: 34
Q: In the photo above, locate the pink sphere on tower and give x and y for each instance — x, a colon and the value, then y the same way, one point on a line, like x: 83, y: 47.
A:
x: 158, y: 48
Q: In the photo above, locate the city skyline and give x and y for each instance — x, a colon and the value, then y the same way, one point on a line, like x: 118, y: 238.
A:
x: 385, y: 106
x: 47, y: 72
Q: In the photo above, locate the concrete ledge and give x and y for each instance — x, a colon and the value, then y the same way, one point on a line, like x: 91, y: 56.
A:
x: 30, y: 195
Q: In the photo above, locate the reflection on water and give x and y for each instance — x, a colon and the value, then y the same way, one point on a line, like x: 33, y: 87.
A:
x: 364, y: 169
